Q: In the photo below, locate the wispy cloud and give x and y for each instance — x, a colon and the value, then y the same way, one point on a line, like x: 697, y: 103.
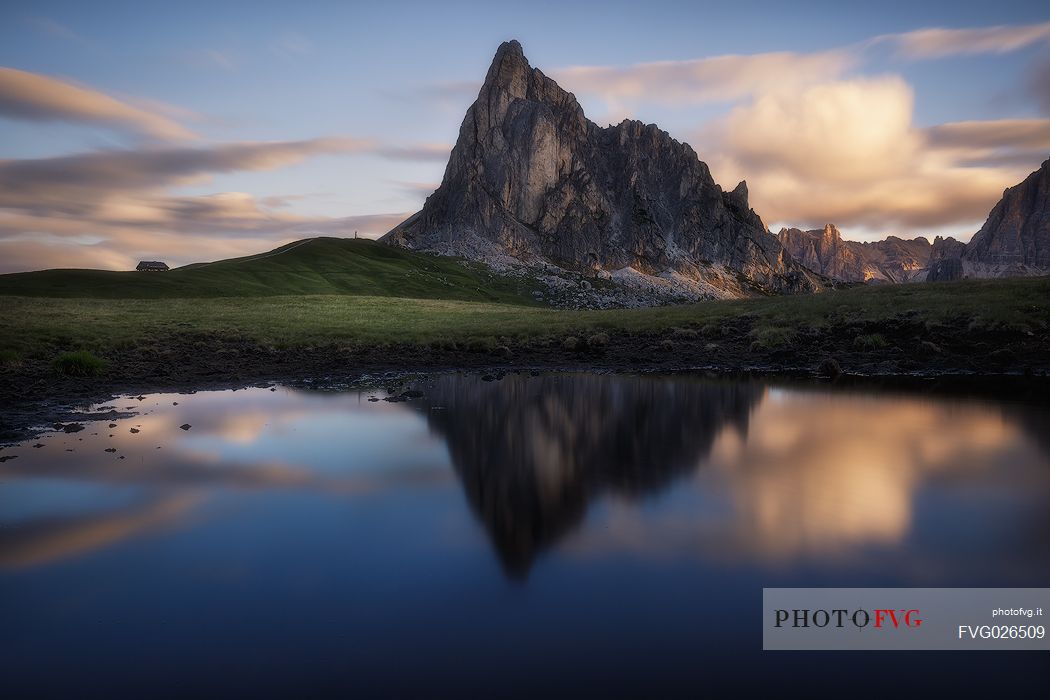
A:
x: 714, y: 79
x: 50, y: 28
x: 211, y: 59
x: 939, y: 42
x: 35, y: 97
x: 364, y: 225
x: 437, y: 152
x: 108, y: 208
x: 1038, y: 83
x: 422, y: 190
x: 1026, y: 134
x: 79, y: 180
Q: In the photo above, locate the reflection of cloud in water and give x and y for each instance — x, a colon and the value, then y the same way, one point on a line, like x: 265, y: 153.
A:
x: 247, y: 440
x: 820, y: 472
x: 760, y: 476
x: 823, y: 475
x: 51, y: 539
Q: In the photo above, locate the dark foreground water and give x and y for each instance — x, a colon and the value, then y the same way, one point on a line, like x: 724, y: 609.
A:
x: 555, y: 534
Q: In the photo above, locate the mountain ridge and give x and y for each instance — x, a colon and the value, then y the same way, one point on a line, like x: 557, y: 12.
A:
x: 892, y: 259
x: 1014, y: 240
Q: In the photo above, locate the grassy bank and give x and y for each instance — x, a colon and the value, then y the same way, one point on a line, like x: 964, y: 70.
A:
x: 40, y: 328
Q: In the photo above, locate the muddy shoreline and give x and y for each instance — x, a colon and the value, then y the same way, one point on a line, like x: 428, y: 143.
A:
x: 31, y: 393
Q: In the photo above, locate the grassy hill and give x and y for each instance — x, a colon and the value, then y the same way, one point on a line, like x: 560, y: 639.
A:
x: 312, y: 266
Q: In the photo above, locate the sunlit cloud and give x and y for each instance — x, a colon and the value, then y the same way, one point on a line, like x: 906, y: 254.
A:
x: 177, y: 230
x: 714, y: 79
x: 34, y: 97
x: 122, y: 201
x: 939, y: 42
x: 62, y: 182
x: 1031, y: 134
x: 848, y: 151
x: 729, y: 78
x: 1016, y: 144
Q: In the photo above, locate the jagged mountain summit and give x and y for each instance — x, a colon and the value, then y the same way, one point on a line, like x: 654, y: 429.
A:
x: 890, y: 260
x: 532, y: 183
x: 1014, y: 241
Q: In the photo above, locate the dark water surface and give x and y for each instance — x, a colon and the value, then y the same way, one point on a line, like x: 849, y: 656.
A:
x: 558, y: 534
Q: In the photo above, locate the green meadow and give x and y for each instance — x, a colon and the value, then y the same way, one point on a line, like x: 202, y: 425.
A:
x: 331, y: 291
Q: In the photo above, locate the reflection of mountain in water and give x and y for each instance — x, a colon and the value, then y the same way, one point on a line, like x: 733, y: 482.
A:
x: 531, y: 452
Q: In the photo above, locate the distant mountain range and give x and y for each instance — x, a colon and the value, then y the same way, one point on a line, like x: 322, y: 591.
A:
x: 533, y: 184
x: 533, y: 187
x: 891, y: 260
x: 1014, y: 242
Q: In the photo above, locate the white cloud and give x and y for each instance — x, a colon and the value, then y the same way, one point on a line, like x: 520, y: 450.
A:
x: 715, y: 79
x: 848, y: 151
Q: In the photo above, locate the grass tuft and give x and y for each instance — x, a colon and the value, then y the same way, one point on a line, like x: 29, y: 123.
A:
x: 871, y: 341
x: 598, y: 340
x: 771, y: 337
x: 10, y: 358
x: 78, y: 364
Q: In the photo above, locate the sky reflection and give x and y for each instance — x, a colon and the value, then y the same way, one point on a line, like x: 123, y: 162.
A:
x: 578, y: 466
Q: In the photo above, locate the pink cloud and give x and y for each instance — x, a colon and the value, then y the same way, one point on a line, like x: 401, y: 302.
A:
x: 35, y: 97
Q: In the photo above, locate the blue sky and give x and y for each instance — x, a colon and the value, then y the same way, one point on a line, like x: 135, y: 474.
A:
x: 831, y: 112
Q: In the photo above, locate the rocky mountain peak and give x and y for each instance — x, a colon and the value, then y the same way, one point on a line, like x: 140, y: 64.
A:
x: 532, y: 182
x: 1016, y: 236
x: 739, y: 195
x: 1014, y: 241
x: 509, y: 71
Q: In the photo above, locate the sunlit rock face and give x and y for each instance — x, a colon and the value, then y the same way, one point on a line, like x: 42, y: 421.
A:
x: 891, y: 260
x: 1014, y: 241
x: 532, y: 452
x: 533, y: 180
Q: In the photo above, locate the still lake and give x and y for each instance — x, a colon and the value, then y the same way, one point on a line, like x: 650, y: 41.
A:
x: 565, y: 532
